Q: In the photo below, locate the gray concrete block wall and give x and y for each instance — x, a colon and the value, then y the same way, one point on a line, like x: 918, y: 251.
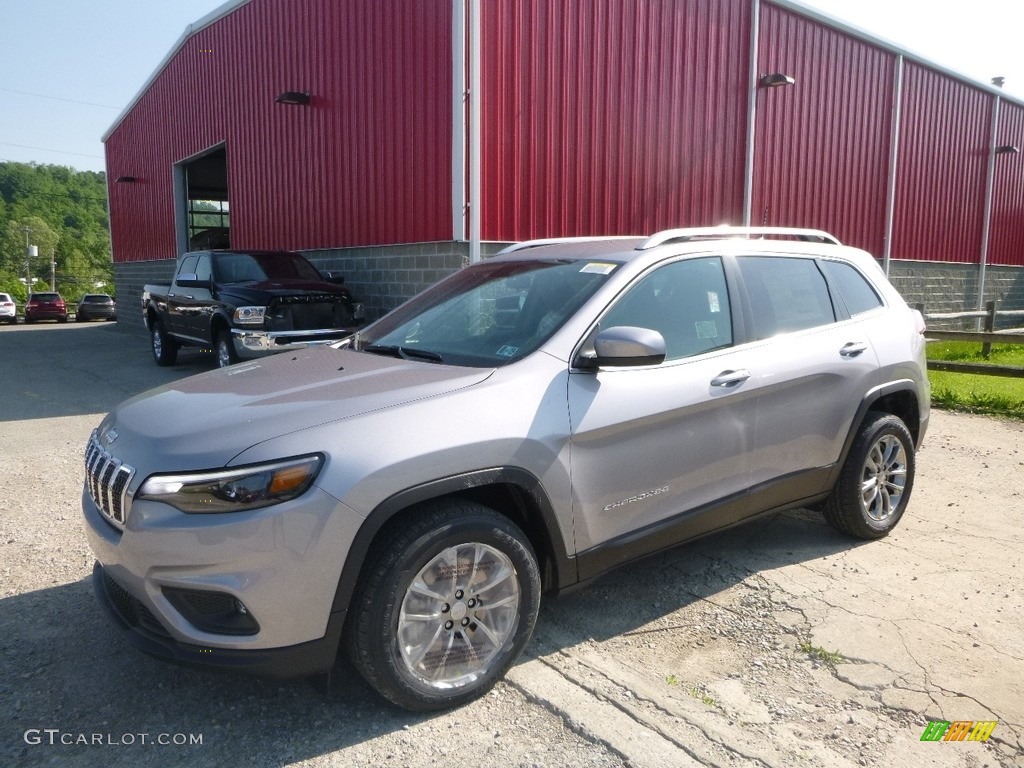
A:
x: 948, y: 287
x: 382, y: 277
x: 129, y: 279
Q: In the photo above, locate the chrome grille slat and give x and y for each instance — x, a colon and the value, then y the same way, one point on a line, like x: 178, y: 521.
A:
x: 107, y: 479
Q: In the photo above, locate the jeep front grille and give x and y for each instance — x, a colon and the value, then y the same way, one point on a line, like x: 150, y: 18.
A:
x: 107, y: 479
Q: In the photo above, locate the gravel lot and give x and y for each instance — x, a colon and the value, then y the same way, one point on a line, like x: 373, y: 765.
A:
x: 778, y: 643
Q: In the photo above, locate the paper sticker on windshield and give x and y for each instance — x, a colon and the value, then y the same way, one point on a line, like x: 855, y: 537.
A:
x: 507, y: 351
x: 713, y: 305
x: 598, y: 268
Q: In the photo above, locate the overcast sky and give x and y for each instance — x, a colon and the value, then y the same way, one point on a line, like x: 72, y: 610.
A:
x: 68, y: 67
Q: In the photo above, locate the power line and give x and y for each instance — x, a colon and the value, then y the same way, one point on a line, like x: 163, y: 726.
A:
x: 47, y: 149
x: 59, y: 98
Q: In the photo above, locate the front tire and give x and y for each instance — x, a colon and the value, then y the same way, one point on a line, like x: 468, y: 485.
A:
x: 226, y: 354
x: 165, y: 349
x: 447, y: 603
x: 875, y: 483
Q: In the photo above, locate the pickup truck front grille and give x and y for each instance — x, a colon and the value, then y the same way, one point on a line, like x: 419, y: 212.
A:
x: 107, y: 479
x: 308, y: 314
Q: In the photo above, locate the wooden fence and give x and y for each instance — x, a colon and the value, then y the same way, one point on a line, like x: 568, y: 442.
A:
x: 987, y: 338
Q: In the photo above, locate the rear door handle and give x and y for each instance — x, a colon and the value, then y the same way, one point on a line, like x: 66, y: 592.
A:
x: 730, y: 378
x: 853, y: 349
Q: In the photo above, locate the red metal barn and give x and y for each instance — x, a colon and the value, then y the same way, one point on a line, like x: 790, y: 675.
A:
x: 397, y: 139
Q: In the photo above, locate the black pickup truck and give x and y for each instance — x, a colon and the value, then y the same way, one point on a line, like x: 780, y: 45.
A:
x: 246, y: 304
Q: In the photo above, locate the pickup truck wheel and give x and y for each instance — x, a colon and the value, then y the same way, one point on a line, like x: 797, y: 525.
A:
x: 875, y: 482
x: 447, y: 604
x: 226, y: 354
x: 165, y: 349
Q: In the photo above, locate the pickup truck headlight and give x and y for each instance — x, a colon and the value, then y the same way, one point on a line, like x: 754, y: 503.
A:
x: 250, y: 315
x: 234, y: 490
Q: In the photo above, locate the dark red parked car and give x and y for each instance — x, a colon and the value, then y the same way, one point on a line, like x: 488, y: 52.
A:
x: 46, y: 306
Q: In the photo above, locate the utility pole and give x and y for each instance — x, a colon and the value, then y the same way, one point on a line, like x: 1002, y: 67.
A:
x: 53, y: 272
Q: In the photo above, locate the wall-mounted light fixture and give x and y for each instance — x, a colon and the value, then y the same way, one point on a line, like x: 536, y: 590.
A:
x: 775, y: 79
x: 1007, y: 149
x: 293, y: 97
x: 124, y: 180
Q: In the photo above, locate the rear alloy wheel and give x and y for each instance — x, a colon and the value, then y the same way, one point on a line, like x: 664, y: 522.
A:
x: 448, y: 603
x: 876, y: 480
x: 226, y: 354
x: 165, y: 349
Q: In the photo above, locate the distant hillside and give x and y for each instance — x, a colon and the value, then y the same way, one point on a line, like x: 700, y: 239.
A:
x: 65, y: 212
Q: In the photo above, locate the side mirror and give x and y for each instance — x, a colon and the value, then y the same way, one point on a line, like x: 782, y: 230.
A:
x: 625, y: 346
x: 333, y: 277
x: 189, y: 280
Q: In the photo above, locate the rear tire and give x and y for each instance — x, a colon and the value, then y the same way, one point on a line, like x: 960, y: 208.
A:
x: 446, y: 604
x: 165, y: 349
x: 875, y: 483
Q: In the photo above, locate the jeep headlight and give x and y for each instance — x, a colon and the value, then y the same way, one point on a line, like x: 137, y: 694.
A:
x: 250, y: 315
x: 234, y: 490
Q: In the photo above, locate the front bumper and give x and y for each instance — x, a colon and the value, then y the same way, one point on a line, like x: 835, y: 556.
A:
x: 281, y: 563
x: 250, y: 344
x: 144, y: 632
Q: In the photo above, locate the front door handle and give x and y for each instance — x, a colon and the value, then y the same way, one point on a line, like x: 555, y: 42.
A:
x: 853, y: 349
x: 730, y: 378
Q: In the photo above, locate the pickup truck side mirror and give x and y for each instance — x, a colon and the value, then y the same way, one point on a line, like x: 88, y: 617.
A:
x: 190, y: 280
x: 333, y: 277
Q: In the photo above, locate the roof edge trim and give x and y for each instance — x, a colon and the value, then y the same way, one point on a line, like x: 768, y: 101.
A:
x: 197, y: 26
x: 891, y: 47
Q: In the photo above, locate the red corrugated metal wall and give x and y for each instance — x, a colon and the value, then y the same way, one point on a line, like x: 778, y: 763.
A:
x: 941, y: 171
x: 822, y: 144
x: 603, y: 116
x: 1006, y: 243
x: 367, y: 162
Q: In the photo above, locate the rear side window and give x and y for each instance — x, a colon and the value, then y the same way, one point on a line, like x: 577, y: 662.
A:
x: 855, y: 290
x: 786, y: 294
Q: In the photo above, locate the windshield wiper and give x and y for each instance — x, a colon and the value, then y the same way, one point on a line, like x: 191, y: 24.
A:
x: 405, y: 353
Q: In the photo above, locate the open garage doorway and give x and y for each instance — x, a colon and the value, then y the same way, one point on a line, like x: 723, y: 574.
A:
x: 205, y: 220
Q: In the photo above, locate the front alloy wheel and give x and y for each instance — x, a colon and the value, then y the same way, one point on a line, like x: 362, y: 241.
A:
x: 447, y: 604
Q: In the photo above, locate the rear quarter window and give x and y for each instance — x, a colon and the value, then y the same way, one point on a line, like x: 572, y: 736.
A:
x: 854, y: 289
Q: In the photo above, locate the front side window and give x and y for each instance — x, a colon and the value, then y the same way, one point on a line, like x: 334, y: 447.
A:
x: 786, y: 294
x: 489, y: 314
x: 687, y: 302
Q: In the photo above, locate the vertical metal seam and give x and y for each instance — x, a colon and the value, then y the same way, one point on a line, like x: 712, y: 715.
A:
x: 458, y: 118
x: 989, y: 186
x: 894, y: 153
x: 748, y: 170
x: 474, y: 130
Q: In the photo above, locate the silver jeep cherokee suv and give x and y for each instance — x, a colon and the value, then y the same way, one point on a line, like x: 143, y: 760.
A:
x: 521, y: 427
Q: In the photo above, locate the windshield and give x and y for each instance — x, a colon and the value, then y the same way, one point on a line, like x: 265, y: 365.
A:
x: 260, y: 267
x: 489, y: 314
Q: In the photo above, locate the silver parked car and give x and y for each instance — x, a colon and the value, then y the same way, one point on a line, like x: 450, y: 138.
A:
x: 523, y: 426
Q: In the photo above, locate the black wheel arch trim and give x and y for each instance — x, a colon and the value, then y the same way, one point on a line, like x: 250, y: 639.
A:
x: 866, y: 404
x: 558, y: 570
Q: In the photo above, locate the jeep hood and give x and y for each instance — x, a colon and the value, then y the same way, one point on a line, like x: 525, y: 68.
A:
x: 204, y: 421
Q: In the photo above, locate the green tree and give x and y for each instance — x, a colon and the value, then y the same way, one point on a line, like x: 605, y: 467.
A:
x: 66, y: 212
x: 38, y: 233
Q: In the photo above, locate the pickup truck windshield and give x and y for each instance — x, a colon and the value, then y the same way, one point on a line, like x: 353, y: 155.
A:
x: 487, y: 315
x: 260, y: 267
